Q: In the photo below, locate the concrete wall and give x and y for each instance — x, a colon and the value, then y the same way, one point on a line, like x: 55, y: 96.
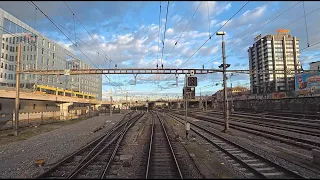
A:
x: 8, y: 106
x: 296, y: 105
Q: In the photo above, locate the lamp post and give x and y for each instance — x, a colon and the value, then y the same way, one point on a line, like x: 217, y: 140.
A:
x: 224, y: 66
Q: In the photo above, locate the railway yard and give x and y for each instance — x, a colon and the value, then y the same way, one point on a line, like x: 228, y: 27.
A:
x: 140, y: 144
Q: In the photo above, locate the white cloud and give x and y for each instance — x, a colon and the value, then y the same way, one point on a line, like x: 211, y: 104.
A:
x: 170, y: 32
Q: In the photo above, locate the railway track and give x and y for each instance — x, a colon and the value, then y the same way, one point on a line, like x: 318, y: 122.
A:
x: 313, y: 116
x: 308, y: 144
x: 245, y: 160
x: 162, y: 162
x: 311, y: 129
x: 93, y: 160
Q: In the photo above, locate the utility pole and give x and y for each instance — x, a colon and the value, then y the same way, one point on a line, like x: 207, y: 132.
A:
x: 111, y: 102
x: 17, y: 101
x: 206, y: 103
x: 186, y: 107
x: 225, y: 110
x: 232, y: 110
x: 127, y: 101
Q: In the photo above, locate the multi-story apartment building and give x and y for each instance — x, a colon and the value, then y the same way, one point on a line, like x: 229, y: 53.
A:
x: 274, y: 52
x: 40, y: 53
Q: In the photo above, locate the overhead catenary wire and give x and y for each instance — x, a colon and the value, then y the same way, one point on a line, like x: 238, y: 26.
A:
x: 184, y: 30
x: 88, y: 32
x: 250, y: 34
x: 164, y: 34
x: 213, y: 34
x: 106, y: 56
x: 305, y: 22
x: 208, y: 17
x: 159, y: 36
x: 65, y: 35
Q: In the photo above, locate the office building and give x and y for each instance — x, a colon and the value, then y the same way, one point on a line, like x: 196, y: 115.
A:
x: 40, y: 53
x: 274, y: 52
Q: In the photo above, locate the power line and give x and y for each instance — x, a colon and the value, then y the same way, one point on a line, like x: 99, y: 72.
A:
x: 249, y: 34
x: 66, y: 36
x: 107, y: 57
x: 159, y: 36
x: 216, y: 32
x: 305, y: 22
x: 88, y: 32
x: 310, y: 46
x: 164, y: 34
x: 208, y: 17
x: 185, y: 29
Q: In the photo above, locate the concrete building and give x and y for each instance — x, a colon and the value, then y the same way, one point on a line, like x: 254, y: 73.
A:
x: 274, y: 52
x: 40, y: 53
x: 315, y: 65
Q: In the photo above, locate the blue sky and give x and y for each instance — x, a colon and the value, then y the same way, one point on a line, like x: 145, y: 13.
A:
x: 128, y: 33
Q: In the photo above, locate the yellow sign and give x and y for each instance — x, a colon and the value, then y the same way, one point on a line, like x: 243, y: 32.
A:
x: 258, y: 37
x: 283, y: 31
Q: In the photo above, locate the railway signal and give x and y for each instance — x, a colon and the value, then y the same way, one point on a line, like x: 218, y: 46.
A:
x: 192, y: 81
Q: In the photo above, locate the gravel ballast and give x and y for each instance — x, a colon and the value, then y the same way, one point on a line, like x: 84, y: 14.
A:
x: 261, y: 149
x: 18, y: 158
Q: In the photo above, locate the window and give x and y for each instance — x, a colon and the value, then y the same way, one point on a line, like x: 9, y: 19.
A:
x: 16, y: 49
x: 31, y: 48
x: 2, y: 55
x: 5, y: 75
x: 42, y: 60
x: 42, y: 42
x: 27, y: 58
x: 6, y: 39
x: 2, y: 45
x: 34, y: 57
x: 1, y: 65
x: 30, y: 57
x: 53, y: 55
x: 6, y: 56
x: 46, y: 106
x: 34, y: 106
x: 1, y: 75
x: 23, y: 57
x: 42, y: 50
x: 34, y: 66
x: 14, y: 38
x: 54, y: 48
x: 48, y: 44
x: 52, y: 63
x: 6, y: 47
x: 27, y: 48
x: 24, y: 48
x: 47, y: 62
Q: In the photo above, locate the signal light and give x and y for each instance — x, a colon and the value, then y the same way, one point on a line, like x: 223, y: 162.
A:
x: 192, y: 81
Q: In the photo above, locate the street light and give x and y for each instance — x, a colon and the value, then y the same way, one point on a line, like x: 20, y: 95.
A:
x: 225, y: 112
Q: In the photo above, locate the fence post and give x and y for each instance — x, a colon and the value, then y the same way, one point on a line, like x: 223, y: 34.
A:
x: 12, y: 120
x: 41, y: 117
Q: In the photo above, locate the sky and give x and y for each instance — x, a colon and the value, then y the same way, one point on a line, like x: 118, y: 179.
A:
x: 131, y: 35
